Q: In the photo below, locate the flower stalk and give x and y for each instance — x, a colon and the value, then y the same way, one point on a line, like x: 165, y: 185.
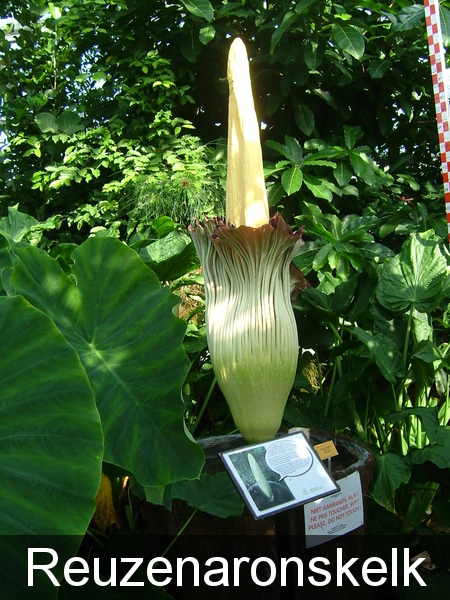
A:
x: 249, y: 278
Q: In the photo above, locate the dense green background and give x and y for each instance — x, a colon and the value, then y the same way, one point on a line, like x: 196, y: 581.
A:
x: 114, y: 115
x: 114, y: 109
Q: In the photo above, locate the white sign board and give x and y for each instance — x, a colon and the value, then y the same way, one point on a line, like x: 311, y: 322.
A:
x: 279, y: 474
x: 336, y: 514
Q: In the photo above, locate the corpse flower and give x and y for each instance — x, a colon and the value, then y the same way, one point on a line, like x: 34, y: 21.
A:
x: 249, y: 277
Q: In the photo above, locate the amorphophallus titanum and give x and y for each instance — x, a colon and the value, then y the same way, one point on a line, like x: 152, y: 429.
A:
x: 249, y: 277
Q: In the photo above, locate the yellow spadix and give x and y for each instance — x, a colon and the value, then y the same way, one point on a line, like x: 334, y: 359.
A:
x: 246, y: 198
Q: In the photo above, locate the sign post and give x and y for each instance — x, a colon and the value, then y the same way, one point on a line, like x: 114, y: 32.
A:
x: 440, y: 76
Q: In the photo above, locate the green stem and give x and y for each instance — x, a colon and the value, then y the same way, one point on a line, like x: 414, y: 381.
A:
x: 330, y: 391
x: 408, y: 333
x: 178, y: 534
x: 380, y: 433
x: 366, y: 415
x: 402, y: 390
x: 418, y: 434
x: 390, y: 431
x: 337, y: 367
x: 338, y: 358
x: 335, y: 332
x: 319, y: 372
x: 205, y: 403
x: 447, y: 403
x: 400, y: 396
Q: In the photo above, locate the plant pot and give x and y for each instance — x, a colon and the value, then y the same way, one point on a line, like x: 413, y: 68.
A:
x: 276, y: 536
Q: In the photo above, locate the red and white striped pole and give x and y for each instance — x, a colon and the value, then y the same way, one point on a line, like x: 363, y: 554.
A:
x: 440, y: 76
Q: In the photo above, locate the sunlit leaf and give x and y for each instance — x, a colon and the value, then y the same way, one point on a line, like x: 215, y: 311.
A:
x: 47, y: 122
x: 112, y: 310
x: 69, y: 123
x: 171, y: 257
x: 51, y: 445
x: 414, y: 277
x: 207, y: 34
x: 320, y: 259
x: 349, y: 39
x: 17, y: 224
x: 292, y: 180
x: 383, y: 351
x: 200, y: 8
x: 317, y: 188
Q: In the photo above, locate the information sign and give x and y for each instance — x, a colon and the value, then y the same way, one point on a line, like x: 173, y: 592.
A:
x: 279, y: 474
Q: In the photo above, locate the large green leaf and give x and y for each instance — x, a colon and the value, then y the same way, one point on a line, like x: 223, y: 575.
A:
x: 171, y: 257
x: 415, y: 277
x: 5, y: 260
x: 113, y: 311
x: 374, y: 251
x: 427, y: 414
x: 383, y: 351
x: 391, y: 471
x: 47, y: 122
x: 320, y: 260
x: 349, y: 39
x: 51, y: 444
x: 17, y: 224
x: 213, y: 494
x: 69, y: 122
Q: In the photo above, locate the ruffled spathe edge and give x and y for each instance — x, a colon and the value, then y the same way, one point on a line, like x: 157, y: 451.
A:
x: 274, y: 237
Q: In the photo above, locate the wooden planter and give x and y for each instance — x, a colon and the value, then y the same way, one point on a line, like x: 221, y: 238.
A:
x: 277, y: 536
